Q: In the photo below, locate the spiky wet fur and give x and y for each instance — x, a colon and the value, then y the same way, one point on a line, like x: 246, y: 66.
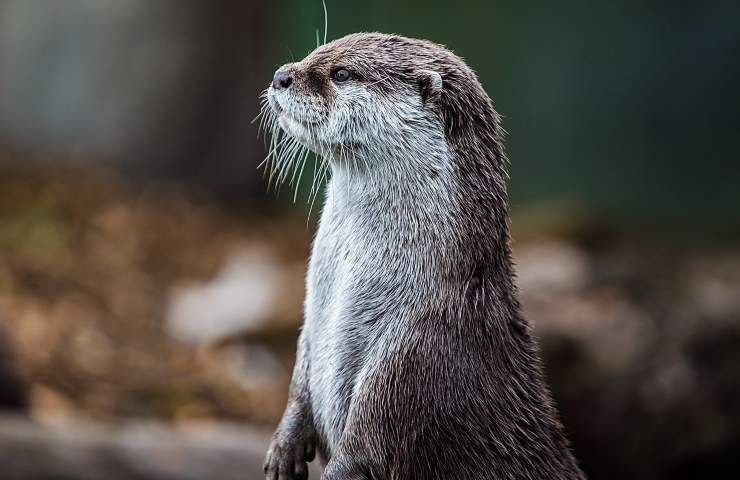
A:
x: 414, y: 361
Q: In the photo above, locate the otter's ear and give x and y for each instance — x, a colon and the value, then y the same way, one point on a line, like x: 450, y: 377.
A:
x: 430, y: 84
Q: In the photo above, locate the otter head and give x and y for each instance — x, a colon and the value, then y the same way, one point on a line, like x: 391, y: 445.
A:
x: 370, y: 100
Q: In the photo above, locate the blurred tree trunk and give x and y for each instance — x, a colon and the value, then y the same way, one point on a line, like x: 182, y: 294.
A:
x: 220, y: 146
x: 165, y: 89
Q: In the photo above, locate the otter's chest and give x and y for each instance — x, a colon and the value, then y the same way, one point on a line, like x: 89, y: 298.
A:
x: 343, y: 315
x: 374, y: 263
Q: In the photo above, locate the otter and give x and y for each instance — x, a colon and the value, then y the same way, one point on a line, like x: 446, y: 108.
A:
x: 414, y: 361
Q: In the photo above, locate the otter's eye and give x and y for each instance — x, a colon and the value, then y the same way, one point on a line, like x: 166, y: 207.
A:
x: 341, y: 75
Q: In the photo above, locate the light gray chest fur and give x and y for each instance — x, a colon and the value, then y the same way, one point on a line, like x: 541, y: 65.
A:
x: 375, y: 261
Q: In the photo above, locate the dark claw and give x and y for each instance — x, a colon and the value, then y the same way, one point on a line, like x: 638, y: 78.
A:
x: 310, y: 452
x: 286, y: 460
x: 301, y: 471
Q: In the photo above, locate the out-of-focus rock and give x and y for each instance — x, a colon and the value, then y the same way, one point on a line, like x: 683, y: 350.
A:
x: 254, y: 364
x: 144, y: 451
x: 555, y: 283
x: 712, y: 284
x: 640, y: 337
x: 641, y: 351
x: 86, y: 265
x: 253, y: 298
x: 550, y: 267
x: 252, y: 294
x: 51, y: 407
x: 240, y: 299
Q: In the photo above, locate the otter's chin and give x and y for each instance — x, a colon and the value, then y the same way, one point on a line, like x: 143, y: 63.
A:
x: 296, y: 129
x: 273, y: 102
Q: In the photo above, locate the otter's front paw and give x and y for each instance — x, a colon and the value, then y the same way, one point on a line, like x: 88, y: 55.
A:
x: 288, y: 455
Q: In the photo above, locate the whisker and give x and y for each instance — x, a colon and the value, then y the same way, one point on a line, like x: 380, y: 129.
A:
x: 326, y: 20
x: 283, y: 157
x: 271, y: 153
x: 300, y: 175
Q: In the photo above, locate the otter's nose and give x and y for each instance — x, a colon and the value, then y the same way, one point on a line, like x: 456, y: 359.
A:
x: 281, y: 80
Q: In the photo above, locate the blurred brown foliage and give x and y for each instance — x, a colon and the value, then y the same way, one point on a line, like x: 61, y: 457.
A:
x: 86, y: 266
x: 641, y: 336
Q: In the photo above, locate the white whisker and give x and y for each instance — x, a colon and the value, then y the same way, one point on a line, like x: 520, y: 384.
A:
x: 326, y: 20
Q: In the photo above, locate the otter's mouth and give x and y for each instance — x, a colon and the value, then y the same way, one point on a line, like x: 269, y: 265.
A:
x: 305, y: 125
x: 284, y: 105
x: 297, y: 129
x: 293, y: 137
x: 294, y: 124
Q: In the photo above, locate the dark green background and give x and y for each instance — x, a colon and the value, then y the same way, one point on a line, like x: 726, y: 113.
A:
x: 627, y: 111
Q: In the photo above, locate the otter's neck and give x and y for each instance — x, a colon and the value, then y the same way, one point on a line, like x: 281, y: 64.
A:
x: 399, y: 178
x: 421, y: 212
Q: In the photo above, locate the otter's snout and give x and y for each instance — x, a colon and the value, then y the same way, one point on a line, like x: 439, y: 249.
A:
x: 281, y: 80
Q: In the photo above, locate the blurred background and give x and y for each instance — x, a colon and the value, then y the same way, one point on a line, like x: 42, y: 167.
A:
x: 151, y: 288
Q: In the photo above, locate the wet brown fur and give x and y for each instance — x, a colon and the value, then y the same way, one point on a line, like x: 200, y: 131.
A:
x: 466, y: 397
